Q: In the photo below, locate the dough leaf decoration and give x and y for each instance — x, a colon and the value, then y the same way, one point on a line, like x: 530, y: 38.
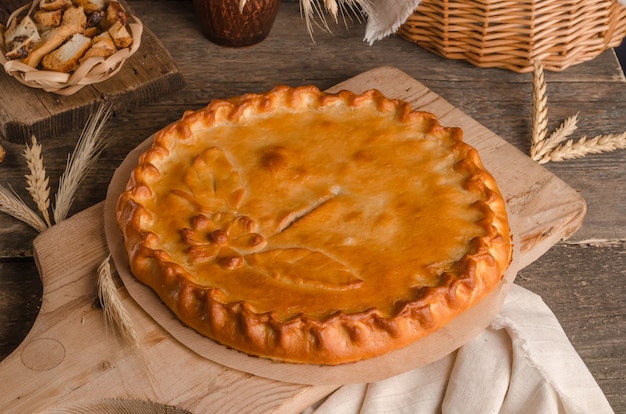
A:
x: 231, y: 242
x: 304, y: 267
x: 217, y: 234
x: 214, y: 182
x: 181, y: 202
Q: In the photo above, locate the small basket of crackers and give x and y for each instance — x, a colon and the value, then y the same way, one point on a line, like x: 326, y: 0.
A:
x: 61, y: 46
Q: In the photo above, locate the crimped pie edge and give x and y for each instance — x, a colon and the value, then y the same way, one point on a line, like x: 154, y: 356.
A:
x: 343, y: 337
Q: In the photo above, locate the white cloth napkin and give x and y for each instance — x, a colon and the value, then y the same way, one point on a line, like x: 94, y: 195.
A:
x: 523, y: 363
x: 384, y: 17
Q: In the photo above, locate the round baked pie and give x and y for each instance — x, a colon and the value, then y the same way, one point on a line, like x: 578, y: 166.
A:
x: 315, y: 228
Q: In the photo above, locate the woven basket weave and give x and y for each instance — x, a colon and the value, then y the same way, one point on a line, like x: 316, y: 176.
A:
x: 512, y: 34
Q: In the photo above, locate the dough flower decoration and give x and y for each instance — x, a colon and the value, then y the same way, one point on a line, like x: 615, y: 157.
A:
x: 215, y: 233
x: 223, y: 237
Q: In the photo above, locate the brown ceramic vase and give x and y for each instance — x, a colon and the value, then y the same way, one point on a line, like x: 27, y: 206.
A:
x: 225, y: 24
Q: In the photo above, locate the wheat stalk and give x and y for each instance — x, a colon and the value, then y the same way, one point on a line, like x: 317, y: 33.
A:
x: 567, y: 128
x: 88, y: 148
x: 544, y: 149
x: 13, y: 205
x: 310, y: 9
x: 315, y: 10
x: 114, y: 311
x: 540, y: 107
x: 37, y: 181
x: 582, y: 147
x: 332, y: 7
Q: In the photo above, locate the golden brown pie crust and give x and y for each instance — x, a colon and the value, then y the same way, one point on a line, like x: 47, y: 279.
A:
x: 315, y: 228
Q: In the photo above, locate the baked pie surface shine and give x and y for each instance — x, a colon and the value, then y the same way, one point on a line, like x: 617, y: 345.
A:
x: 315, y: 228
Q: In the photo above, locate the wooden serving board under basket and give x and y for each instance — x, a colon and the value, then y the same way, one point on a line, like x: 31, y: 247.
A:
x: 74, y: 361
x: 146, y: 76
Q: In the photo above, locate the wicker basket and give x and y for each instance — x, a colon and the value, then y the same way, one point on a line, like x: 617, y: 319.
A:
x: 512, y: 34
x: 93, y: 70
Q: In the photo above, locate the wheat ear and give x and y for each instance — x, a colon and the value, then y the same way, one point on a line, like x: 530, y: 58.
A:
x: 37, y: 180
x: 584, y: 146
x: 309, y: 9
x: 13, y: 205
x: 332, y: 7
x: 114, y: 311
x: 88, y: 148
x: 564, y: 130
x: 540, y: 107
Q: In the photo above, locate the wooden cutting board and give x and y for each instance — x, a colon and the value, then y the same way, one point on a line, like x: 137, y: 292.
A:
x: 148, y: 75
x: 72, y: 361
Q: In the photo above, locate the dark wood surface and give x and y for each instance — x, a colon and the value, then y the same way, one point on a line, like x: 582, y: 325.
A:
x: 582, y: 279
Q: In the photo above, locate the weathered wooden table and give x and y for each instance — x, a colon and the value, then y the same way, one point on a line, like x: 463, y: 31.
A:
x: 582, y: 279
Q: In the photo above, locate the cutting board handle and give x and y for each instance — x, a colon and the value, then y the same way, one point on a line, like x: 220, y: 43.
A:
x: 73, y: 361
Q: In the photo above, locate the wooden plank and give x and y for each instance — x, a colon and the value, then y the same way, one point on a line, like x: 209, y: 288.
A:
x: 78, y: 357
x: 71, y: 359
x: 148, y: 75
x: 586, y: 293
x: 20, y: 299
